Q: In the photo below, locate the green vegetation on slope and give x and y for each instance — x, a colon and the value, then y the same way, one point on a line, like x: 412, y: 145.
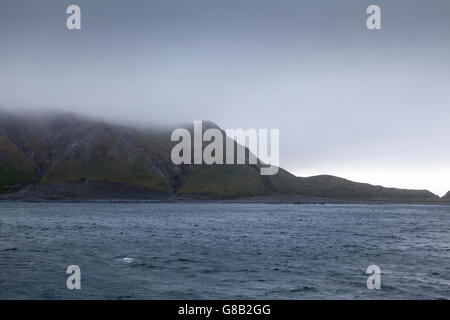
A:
x: 109, y: 153
x: 223, y: 181
x: 15, y: 168
x: 338, y: 188
x: 10, y: 179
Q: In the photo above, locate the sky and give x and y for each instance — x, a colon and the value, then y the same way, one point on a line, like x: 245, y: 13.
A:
x: 368, y: 105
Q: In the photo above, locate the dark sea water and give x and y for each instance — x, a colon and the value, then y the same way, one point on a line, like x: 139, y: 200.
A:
x: 223, y: 251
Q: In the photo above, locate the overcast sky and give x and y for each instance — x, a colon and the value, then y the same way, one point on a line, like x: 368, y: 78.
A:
x: 371, y: 106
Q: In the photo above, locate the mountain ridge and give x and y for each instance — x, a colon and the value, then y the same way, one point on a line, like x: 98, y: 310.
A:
x: 66, y: 156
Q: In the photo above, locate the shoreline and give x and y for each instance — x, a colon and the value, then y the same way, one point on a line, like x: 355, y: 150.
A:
x: 232, y: 201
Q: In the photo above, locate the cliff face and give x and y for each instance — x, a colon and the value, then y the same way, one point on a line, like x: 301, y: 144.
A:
x: 63, y: 156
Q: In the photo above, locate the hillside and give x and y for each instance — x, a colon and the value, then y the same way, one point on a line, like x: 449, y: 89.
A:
x: 64, y: 156
x: 446, y: 198
x: 338, y: 188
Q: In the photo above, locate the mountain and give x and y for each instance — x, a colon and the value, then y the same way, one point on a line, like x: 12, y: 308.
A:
x: 65, y: 156
x: 446, y: 198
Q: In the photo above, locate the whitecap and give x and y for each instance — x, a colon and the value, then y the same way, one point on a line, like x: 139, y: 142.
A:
x: 127, y: 260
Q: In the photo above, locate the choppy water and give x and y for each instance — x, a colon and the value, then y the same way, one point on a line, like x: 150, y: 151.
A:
x: 223, y: 251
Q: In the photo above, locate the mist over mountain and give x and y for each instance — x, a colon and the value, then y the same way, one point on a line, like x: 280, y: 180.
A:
x: 61, y: 156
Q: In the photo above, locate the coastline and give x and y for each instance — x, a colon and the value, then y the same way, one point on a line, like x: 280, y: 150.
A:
x: 241, y: 200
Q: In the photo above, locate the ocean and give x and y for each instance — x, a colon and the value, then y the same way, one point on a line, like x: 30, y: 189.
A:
x: 223, y: 251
